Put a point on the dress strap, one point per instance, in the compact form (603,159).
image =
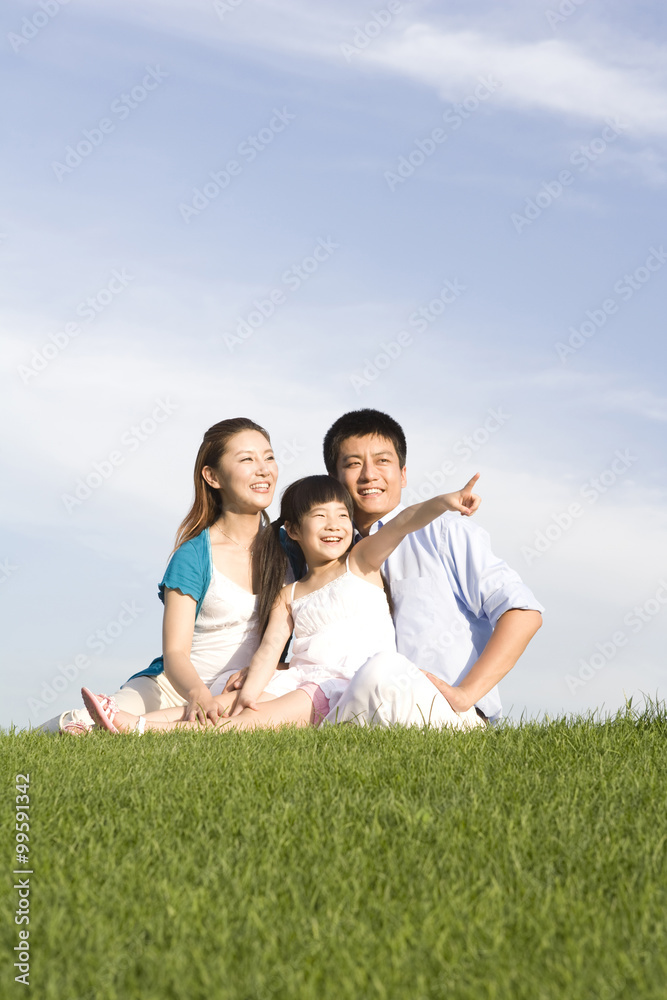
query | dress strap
(347,562)
(291,597)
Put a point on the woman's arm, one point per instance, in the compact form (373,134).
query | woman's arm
(267,657)
(369,553)
(177,630)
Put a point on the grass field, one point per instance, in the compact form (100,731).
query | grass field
(523,862)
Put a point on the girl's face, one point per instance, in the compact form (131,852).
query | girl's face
(324,534)
(246,474)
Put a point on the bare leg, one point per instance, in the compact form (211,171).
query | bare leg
(289,710)
(177,713)
(295,708)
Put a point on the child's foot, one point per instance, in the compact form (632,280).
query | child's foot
(106,714)
(75,729)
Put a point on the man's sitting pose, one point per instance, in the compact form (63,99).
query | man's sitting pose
(460,612)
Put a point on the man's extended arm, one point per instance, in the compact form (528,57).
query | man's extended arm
(514,630)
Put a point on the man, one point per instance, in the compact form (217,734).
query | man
(460,612)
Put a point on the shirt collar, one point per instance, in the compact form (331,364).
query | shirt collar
(381,521)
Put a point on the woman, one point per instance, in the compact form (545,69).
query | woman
(211,586)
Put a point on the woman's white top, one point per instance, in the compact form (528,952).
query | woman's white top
(226,634)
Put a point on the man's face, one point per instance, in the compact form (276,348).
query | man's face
(370,469)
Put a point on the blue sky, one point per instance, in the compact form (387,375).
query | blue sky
(424,200)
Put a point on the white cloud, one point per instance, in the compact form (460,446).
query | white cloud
(551,75)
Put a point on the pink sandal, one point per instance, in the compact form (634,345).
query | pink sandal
(76,729)
(102,709)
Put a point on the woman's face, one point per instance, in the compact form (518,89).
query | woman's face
(246,474)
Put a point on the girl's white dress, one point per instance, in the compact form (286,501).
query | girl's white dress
(336,630)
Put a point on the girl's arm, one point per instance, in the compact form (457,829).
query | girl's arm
(267,657)
(178,627)
(369,554)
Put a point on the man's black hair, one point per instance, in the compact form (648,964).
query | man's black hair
(362,423)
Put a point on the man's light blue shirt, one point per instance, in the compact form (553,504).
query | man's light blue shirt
(449,590)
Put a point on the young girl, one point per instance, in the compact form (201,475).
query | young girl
(338,613)
(217,585)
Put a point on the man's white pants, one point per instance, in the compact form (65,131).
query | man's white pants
(389,689)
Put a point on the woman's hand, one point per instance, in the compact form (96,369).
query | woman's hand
(464,501)
(203,707)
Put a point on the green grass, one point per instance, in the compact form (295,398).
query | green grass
(524,862)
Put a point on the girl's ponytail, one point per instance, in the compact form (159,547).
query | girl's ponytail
(269,567)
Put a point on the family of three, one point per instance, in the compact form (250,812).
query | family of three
(326,573)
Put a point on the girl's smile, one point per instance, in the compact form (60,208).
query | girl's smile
(324,532)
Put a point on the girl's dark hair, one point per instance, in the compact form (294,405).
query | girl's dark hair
(207,504)
(271,558)
(309,492)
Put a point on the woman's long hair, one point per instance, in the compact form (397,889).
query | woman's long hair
(270,556)
(269,561)
(207,505)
